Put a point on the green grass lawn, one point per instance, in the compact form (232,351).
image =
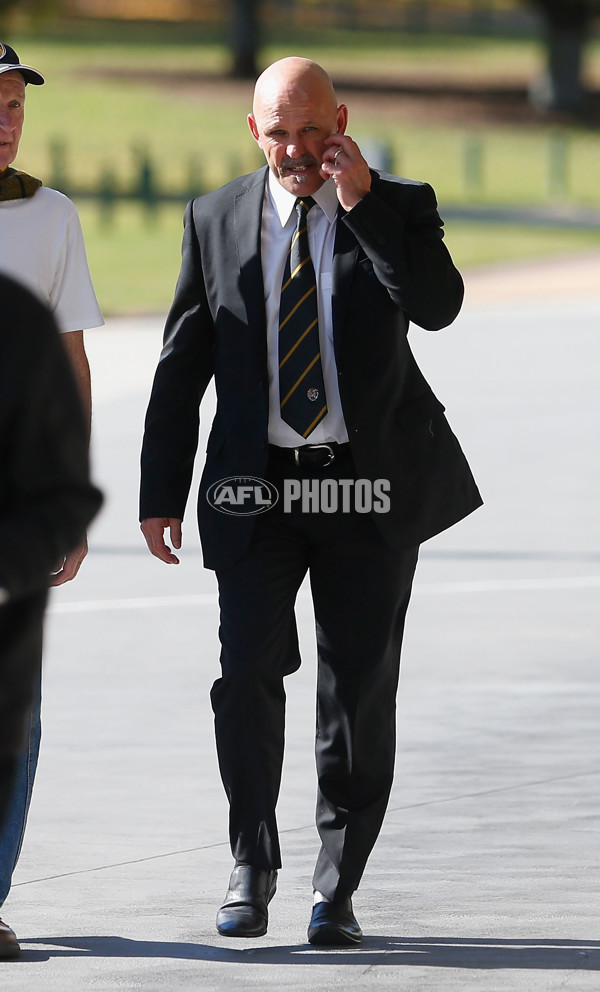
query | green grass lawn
(135,262)
(197,138)
(191,131)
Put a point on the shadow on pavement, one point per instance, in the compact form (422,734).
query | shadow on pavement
(429,952)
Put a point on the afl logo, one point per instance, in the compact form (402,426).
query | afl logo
(242,496)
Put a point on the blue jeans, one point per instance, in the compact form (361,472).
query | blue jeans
(11,837)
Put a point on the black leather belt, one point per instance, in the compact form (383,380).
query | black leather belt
(315,455)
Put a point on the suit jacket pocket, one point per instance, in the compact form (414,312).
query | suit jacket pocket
(419,412)
(216,440)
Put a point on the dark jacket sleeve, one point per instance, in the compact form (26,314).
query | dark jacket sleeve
(46,497)
(184,370)
(399,228)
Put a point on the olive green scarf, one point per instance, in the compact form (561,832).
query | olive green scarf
(15,185)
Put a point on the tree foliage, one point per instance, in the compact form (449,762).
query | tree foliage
(567,13)
(33,8)
(566,31)
(244,35)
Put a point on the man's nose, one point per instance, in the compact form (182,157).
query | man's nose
(295,147)
(6,120)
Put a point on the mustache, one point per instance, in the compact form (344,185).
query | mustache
(298,163)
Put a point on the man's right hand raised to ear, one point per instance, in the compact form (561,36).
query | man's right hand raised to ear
(153,529)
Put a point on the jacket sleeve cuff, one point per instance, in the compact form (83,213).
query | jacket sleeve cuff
(372,221)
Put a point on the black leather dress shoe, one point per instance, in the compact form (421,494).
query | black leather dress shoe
(333,924)
(9,945)
(244,912)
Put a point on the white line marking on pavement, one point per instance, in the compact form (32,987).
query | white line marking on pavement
(511,585)
(459,797)
(137,603)
(427,589)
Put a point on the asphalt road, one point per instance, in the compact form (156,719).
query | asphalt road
(485,877)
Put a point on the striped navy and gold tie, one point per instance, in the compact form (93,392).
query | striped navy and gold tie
(301,388)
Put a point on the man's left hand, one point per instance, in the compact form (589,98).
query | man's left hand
(71,565)
(346,166)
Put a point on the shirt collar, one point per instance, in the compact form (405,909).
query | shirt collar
(284,201)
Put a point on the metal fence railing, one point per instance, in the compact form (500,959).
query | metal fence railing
(472,180)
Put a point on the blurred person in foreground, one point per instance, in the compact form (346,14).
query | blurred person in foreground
(46,502)
(296,289)
(41,245)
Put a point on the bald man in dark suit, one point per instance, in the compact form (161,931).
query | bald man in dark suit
(297,286)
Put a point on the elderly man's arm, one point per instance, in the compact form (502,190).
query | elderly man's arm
(73,342)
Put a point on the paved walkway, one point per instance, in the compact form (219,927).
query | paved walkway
(575,276)
(560,215)
(485,878)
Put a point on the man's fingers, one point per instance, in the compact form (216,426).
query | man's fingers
(153,530)
(175,528)
(340,144)
(344,162)
(70,566)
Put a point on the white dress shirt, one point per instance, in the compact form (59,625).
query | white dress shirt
(278,225)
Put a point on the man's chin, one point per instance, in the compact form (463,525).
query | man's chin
(301,183)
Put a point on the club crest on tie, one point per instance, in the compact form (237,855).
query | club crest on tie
(313,394)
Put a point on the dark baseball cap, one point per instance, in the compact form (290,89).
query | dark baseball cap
(9,60)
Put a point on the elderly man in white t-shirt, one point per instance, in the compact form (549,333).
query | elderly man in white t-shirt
(41,245)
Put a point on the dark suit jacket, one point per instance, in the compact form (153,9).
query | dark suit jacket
(390,266)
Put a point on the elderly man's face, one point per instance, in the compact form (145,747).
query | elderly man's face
(290,124)
(12,110)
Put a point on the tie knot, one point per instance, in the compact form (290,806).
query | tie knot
(304,203)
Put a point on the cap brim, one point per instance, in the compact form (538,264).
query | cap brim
(30,75)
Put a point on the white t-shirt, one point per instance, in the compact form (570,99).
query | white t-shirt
(41,246)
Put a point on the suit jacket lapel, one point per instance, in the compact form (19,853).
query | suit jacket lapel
(345,253)
(247,224)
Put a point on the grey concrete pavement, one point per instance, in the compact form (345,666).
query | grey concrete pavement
(486,875)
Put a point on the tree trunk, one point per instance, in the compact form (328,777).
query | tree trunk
(560,86)
(244,38)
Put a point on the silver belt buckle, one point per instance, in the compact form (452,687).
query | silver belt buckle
(315,447)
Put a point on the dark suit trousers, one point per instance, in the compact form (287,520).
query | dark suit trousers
(360,589)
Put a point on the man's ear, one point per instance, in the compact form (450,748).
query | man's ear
(253,128)
(342,118)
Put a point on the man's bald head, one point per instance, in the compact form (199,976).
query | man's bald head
(293,78)
(294,110)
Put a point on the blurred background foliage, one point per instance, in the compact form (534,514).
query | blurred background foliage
(145,105)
